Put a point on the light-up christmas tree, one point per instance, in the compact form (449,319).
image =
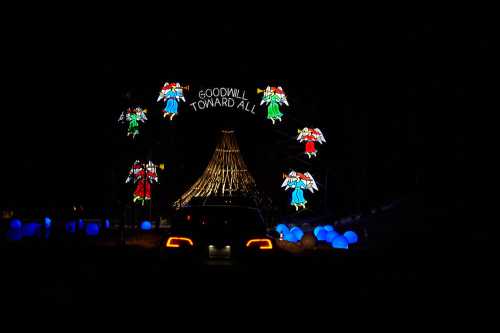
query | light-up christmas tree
(226,175)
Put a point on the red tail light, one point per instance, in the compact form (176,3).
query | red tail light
(178,241)
(261,243)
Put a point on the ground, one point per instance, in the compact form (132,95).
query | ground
(95,275)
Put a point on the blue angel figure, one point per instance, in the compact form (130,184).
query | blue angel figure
(299,182)
(171,93)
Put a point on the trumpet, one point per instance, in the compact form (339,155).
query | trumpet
(259,91)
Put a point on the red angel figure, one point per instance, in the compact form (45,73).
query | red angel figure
(311,135)
(142,174)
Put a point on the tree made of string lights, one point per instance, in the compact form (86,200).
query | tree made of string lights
(225,176)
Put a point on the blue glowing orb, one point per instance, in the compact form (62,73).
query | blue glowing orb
(290,237)
(14,234)
(297,232)
(146,225)
(92,229)
(16,224)
(351,236)
(321,236)
(107,224)
(71,227)
(81,224)
(282,229)
(328,227)
(317,229)
(331,235)
(48,222)
(340,242)
(31,229)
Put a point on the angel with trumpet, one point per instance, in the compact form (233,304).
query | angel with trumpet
(299,182)
(311,136)
(143,175)
(133,116)
(274,97)
(171,93)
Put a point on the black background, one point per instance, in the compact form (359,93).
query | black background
(395,90)
(389,91)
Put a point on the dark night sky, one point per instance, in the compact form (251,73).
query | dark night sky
(389,94)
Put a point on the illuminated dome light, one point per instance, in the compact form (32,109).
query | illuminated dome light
(92,229)
(297,232)
(16,224)
(340,242)
(351,236)
(107,224)
(146,225)
(282,229)
(317,229)
(328,228)
(14,234)
(330,235)
(48,222)
(31,229)
(322,235)
(71,227)
(290,237)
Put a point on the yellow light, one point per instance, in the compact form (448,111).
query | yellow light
(162,166)
(174,241)
(268,245)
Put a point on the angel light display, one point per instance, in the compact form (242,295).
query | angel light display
(274,97)
(310,136)
(299,182)
(133,116)
(171,93)
(143,174)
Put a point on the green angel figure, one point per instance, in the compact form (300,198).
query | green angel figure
(133,116)
(274,97)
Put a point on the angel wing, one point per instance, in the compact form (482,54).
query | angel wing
(151,172)
(180,94)
(311,183)
(162,92)
(283,97)
(130,176)
(132,172)
(321,138)
(141,115)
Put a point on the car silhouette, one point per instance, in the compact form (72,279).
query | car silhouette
(217,232)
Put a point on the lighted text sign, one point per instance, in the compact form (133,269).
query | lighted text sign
(230,98)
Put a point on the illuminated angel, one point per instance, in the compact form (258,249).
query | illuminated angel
(133,116)
(171,93)
(311,136)
(299,182)
(274,97)
(144,175)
